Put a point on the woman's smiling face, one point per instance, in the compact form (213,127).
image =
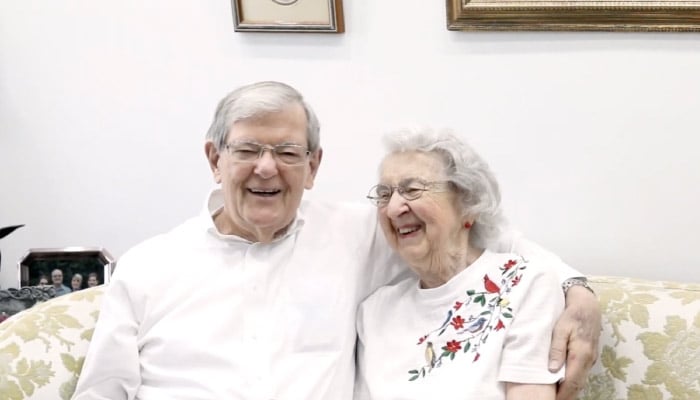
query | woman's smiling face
(419,229)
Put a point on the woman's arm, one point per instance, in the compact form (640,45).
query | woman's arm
(537,302)
(576,334)
(522,391)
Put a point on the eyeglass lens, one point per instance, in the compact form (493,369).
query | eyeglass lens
(289,154)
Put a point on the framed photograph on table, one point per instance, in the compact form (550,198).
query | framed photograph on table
(38,263)
(574,15)
(321,16)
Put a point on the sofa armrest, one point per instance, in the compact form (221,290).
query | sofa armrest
(650,343)
(42,348)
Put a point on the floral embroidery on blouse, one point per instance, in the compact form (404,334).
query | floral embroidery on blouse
(469,327)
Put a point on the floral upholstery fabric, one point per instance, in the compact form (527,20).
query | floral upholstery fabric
(650,344)
(42,348)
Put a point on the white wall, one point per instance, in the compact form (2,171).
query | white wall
(104,105)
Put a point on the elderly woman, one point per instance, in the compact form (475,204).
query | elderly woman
(471,323)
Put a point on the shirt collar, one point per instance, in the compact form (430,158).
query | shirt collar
(215,202)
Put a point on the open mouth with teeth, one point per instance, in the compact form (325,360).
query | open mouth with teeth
(407,230)
(264,192)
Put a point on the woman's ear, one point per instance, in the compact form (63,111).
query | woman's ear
(468,221)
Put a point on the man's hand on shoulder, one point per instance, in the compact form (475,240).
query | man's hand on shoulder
(575,340)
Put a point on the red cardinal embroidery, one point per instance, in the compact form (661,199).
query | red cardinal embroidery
(490,286)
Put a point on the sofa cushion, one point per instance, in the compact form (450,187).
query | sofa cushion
(42,348)
(650,344)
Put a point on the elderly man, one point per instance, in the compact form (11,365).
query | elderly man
(57,280)
(279,321)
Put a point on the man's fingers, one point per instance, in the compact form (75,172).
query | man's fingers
(586,356)
(579,336)
(569,389)
(557,352)
(578,362)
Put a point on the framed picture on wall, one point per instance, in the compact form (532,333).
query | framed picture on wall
(324,16)
(574,15)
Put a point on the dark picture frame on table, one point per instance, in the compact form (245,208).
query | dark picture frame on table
(573,15)
(320,16)
(70,260)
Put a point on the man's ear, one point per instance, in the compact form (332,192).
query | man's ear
(213,158)
(314,163)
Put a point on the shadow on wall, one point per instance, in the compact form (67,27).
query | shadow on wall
(4,232)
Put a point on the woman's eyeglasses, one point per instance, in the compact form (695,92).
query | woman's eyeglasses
(409,189)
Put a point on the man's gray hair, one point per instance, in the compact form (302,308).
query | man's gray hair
(256,100)
(476,185)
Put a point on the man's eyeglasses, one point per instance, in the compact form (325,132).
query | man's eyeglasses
(409,189)
(249,152)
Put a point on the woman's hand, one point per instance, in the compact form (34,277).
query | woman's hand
(575,340)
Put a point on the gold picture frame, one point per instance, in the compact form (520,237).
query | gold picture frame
(320,16)
(573,15)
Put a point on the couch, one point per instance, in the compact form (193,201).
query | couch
(650,343)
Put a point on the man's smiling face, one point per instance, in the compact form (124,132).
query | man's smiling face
(261,198)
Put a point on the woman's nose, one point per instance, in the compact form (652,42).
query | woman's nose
(397,205)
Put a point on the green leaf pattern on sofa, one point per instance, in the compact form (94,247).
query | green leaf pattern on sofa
(644,357)
(24,377)
(672,364)
(42,349)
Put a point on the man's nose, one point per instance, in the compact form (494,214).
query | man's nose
(266,165)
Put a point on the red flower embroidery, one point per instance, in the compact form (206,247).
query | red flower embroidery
(472,329)
(499,325)
(452,346)
(457,322)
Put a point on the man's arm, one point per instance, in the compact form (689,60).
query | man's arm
(575,340)
(111,367)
